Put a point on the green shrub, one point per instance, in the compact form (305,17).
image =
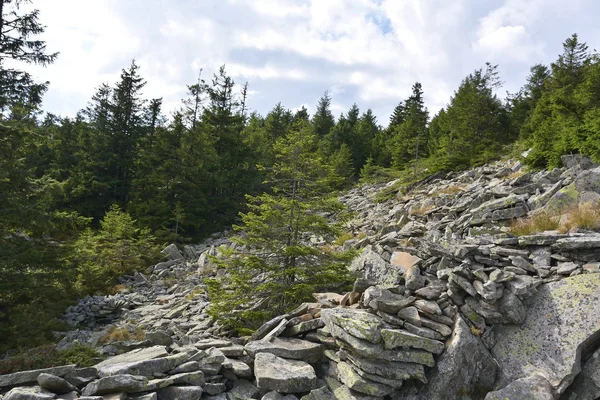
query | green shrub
(118,248)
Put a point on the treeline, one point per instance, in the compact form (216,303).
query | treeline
(85,199)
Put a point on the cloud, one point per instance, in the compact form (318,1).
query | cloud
(368,52)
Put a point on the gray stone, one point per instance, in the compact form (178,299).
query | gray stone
(244,389)
(19,378)
(414,279)
(343,392)
(116,383)
(55,384)
(577,243)
(534,387)
(285,376)
(429,307)
(511,307)
(136,355)
(522,284)
(346,374)
(303,327)
(239,368)
(319,394)
(358,323)
(295,349)
(172,252)
(586,385)
(390,370)
(394,338)
(410,314)
(29,393)
(562,318)
(566,268)
(180,393)
(465,368)
(267,327)
(392,303)
(278,396)
(145,368)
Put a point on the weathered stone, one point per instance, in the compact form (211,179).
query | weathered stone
(534,387)
(394,338)
(295,349)
(375,267)
(180,393)
(586,385)
(388,369)
(566,268)
(562,318)
(410,314)
(343,392)
(414,279)
(19,378)
(429,307)
(239,368)
(55,384)
(423,331)
(348,376)
(522,284)
(205,344)
(319,394)
(145,368)
(136,355)
(465,368)
(210,361)
(463,284)
(244,389)
(577,243)
(358,323)
(276,331)
(428,293)
(392,303)
(286,376)
(29,393)
(116,383)
(304,327)
(520,262)
(512,308)
(269,326)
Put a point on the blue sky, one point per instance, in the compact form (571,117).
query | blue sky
(368,52)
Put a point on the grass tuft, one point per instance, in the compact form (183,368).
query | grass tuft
(585,216)
(539,222)
(123,334)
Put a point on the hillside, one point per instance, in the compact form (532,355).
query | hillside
(460,295)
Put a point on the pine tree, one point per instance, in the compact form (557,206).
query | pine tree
(16,43)
(323,120)
(409,137)
(278,266)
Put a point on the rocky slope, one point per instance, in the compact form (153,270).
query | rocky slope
(449,305)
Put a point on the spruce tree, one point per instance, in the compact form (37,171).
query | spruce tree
(323,120)
(284,254)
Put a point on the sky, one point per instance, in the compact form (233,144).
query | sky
(368,52)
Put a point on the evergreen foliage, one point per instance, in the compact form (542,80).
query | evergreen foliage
(285,254)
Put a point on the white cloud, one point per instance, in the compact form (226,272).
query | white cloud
(365,51)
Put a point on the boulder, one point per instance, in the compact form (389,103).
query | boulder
(285,376)
(465,368)
(587,384)
(171,252)
(19,378)
(55,384)
(180,393)
(358,323)
(346,374)
(562,319)
(533,387)
(295,349)
(319,394)
(394,338)
(29,393)
(116,383)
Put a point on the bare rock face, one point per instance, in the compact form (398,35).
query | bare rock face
(533,387)
(465,368)
(563,318)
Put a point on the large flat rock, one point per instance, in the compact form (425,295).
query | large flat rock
(22,377)
(294,349)
(284,376)
(563,318)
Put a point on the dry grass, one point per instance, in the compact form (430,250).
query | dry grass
(452,189)
(405,243)
(515,175)
(539,222)
(585,216)
(123,334)
(421,210)
(476,331)
(115,289)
